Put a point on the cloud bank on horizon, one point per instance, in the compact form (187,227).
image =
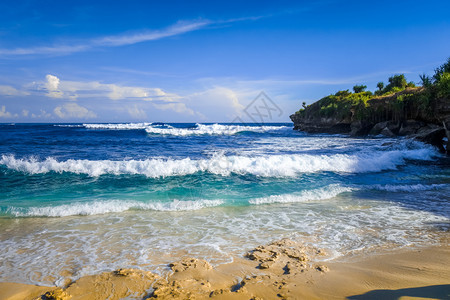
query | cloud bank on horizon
(203,62)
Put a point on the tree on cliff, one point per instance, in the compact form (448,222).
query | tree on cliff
(359,88)
(380,85)
(397,81)
(439,71)
(425,80)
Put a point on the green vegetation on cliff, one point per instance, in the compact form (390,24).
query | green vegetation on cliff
(396,101)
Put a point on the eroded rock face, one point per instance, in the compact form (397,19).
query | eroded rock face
(433,136)
(410,127)
(446,124)
(190,263)
(387,128)
(285,255)
(57,294)
(389,124)
(320,125)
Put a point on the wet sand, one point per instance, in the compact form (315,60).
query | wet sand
(282,270)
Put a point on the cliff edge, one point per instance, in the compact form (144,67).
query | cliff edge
(397,109)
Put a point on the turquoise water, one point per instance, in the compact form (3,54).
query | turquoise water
(85,198)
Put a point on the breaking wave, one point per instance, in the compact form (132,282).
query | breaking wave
(214,129)
(324,193)
(407,188)
(104,207)
(265,166)
(197,129)
(113,126)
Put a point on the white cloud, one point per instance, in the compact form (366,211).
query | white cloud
(218,103)
(25,112)
(52,82)
(180,27)
(136,112)
(177,107)
(6,114)
(111,41)
(52,86)
(57,88)
(42,115)
(73,110)
(128,39)
(124,92)
(10,91)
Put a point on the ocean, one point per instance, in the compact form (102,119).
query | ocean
(79,199)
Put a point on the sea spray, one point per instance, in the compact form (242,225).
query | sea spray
(265,166)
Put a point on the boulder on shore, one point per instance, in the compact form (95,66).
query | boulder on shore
(387,128)
(433,136)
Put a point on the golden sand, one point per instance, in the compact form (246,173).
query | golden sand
(281,270)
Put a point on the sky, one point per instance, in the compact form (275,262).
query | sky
(204,61)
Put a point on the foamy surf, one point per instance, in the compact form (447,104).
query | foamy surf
(114,126)
(339,193)
(264,166)
(408,187)
(324,193)
(214,129)
(112,206)
(197,129)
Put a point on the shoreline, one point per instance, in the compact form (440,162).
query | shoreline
(283,269)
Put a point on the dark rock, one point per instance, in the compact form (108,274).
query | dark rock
(446,124)
(393,128)
(387,144)
(432,136)
(387,132)
(341,128)
(410,127)
(376,130)
(319,125)
(359,128)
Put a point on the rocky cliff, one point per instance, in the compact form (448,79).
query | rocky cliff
(422,113)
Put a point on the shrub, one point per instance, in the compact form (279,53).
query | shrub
(397,81)
(359,88)
(343,93)
(443,85)
(425,80)
(439,71)
(393,90)
(380,85)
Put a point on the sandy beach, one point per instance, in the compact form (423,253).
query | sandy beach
(283,269)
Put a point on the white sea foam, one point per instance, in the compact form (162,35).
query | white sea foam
(265,166)
(199,129)
(67,125)
(112,206)
(324,193)
(113,126)
(214,129)
(215,235)
(408,188)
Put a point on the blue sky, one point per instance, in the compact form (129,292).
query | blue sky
(204,61)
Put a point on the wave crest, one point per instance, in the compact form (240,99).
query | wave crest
(214,129)
(265,166)
(324,193)
(197,129)
(408,188)
(114,126)
(104,207)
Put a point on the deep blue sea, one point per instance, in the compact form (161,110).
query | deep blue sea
(77,199)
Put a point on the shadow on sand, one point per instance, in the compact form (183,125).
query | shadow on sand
(432,291)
